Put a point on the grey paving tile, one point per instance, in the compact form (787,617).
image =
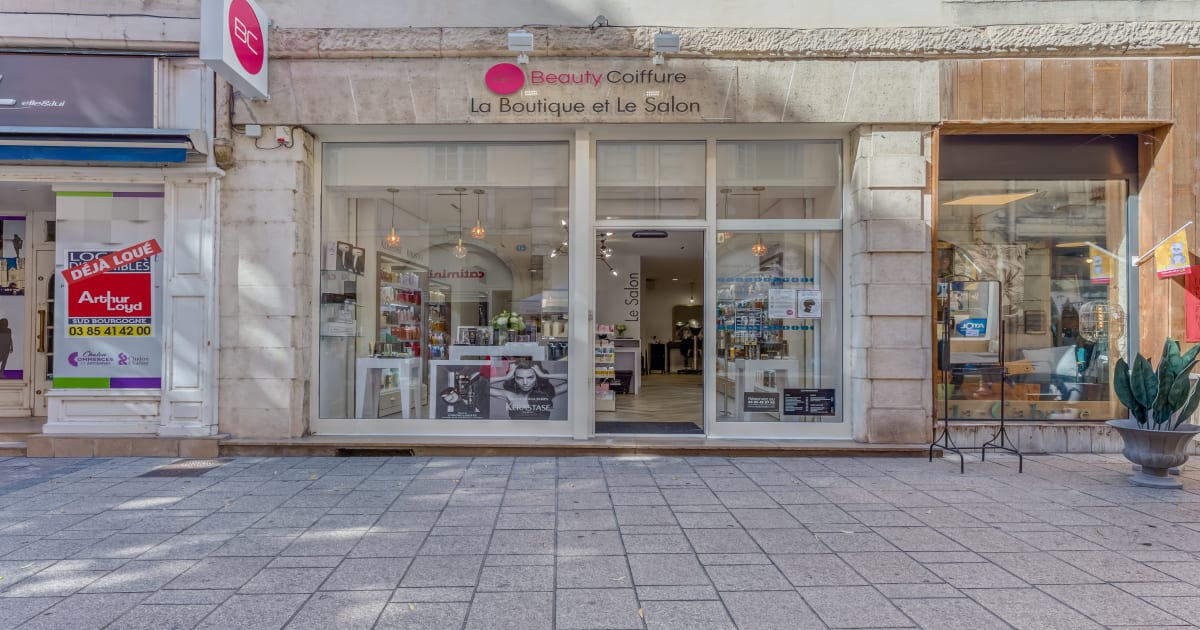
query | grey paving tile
(656,543)
(1040,568)
(366,574)
(668,615)
(787,541)
(518,541)
(340,609)
(389,545)
(986,540)
(163,617)
(917,591)
(53,583)
(516,578)
(586,519)
(747,577)
(1110,606)
(454,545)
(1030,609)
(949,614)
(853,607)
(644,515)
(443,571)
(293,580)
(405,521)
(434,594)
(186,547)
(526,520)
(423,616)
(253,546)
(676,593)
(519,560)
(584,501)
(817,570)
(851,540)
(589,543)
(84,611)
(667,570)
(140,576)
(592,572)
(688,518)
(889,567)
(15,610)
(215,573)
(975,575)
(721,541)
(588,609)
(511,611)
(1110,566)
(181,597)
(779,610)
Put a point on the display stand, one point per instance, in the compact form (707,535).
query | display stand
(982,364)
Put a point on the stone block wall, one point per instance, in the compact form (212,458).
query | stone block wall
(266,266)
(888,233)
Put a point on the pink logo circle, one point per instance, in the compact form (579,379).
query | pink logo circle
(505,78)
(246,35)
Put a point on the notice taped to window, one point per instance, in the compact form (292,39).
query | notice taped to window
(808,402)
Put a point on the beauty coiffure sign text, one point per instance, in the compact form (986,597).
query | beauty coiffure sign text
(591,91)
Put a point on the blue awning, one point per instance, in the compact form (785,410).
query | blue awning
(123,146)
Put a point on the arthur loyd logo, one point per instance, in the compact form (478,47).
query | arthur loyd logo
(504,79)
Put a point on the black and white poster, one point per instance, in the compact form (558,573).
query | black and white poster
(529,390)
(809,402)
(461,391)
(760,402)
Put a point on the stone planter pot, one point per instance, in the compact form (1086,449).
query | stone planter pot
(1154,451)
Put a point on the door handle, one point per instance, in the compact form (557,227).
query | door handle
(41,336)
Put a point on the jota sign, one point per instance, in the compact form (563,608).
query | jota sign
(233,42)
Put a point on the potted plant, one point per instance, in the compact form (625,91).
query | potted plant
(1160,403)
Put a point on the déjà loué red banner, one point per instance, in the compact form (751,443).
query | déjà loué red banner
(111,261)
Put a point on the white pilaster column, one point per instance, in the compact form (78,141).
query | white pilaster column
(889,239)
(191,233)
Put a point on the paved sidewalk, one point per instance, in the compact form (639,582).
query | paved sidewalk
(623,542)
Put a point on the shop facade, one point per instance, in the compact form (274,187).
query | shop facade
(417,236)
(107,154)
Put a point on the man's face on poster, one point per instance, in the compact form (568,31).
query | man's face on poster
(525,379)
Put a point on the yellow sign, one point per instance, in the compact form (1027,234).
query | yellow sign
(1101,265)
(1171,257)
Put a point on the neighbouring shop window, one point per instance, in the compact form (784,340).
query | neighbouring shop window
(107,322)
(1032,276)
(443,281)
(649,180)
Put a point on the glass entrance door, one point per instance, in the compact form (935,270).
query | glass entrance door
(649,345)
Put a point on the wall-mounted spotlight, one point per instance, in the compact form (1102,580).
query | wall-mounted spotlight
(664,42)
(521,42)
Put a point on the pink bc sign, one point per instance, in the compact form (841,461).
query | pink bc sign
(505,78)
(246,34)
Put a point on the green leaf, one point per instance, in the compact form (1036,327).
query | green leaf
(1189,408)
(1121,385)
(1178,394)
(1190,355)
(1143,382)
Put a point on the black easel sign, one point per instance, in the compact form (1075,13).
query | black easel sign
(808,402)
(760,402)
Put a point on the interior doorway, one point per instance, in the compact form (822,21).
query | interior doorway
(649,347)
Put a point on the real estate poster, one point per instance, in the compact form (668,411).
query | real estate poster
(109,323)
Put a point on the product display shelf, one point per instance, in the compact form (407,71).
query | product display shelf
(401,331)
(605,370)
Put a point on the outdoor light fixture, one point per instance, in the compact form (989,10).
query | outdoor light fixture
(478,232)
(521,42)
(393,239)
(664,42)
